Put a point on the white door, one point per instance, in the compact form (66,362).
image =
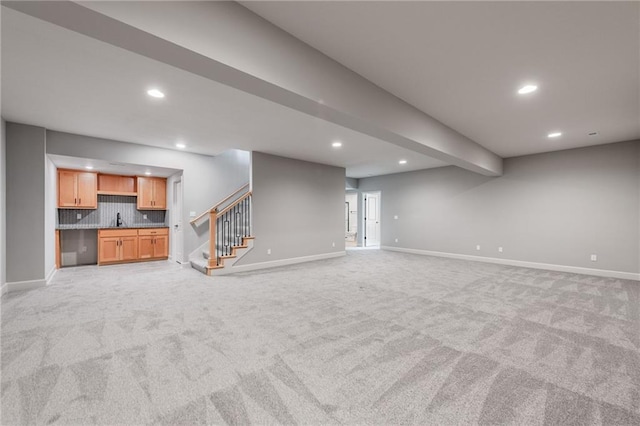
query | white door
(177,222)
(372,219)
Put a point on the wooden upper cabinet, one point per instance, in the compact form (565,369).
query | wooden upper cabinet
(145,193)
(77,190)
(116,185)
(160,194)
(67,189)
(152,193)
(87,190)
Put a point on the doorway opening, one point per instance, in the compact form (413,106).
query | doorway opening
(351,219)
(371,219)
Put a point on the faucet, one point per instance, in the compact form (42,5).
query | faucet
(118,220)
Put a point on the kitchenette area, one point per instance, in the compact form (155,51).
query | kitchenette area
(105,218)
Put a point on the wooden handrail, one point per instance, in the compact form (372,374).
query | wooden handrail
(235,203)
(215,206)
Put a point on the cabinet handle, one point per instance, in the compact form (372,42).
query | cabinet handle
(79,201)
(75,201)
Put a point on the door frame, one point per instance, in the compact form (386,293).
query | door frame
(364,217)
(177,200)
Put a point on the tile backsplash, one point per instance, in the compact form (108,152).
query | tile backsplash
(105,215)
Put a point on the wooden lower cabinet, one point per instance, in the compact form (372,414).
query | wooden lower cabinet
(153,243)
(108,249)
(129,248)
(130,245)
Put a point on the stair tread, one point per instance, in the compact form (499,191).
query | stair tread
(202,263)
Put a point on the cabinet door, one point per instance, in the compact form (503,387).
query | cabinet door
(87,190)
(145,193)
(161,246)
(145,246)
(128,248)
(108,249)
(160,194)
(67,188)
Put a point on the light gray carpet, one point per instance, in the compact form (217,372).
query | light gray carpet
(371,338)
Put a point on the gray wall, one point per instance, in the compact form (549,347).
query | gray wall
(297,210)
(3,206)
(25,202)
(205,179)
(51,204)
(556,208)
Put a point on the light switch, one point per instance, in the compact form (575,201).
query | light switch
(192,214)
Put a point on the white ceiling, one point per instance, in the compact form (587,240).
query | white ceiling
(61,80)
(462,62)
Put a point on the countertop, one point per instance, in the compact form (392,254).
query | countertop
(133,226)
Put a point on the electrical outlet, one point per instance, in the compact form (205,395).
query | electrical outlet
(268,251)
(84,249)
(500,249)
(478,247)
(594,257)
(144,216)
(333,244)
(79,216)
(396,240)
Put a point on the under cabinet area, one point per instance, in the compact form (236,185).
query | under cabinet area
(131,245)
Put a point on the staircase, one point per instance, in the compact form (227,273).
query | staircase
(230,235)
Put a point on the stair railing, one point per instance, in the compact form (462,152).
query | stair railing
(228,227)
(218,204)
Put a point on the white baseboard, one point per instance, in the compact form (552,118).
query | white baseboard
(25,285)
(50,275)
(5,288)
(276,263)
(534,265)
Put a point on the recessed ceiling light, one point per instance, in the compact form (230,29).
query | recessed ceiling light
(180,145)
(147,173)
(88,167)
(527,89)
(554,135)
(155,93)
(336,144)
(402,162)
